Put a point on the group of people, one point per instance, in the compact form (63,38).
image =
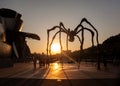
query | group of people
(41,59)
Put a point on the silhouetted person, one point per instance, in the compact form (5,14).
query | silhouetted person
(34,60)
(104,59)
(40,61)
(99,55)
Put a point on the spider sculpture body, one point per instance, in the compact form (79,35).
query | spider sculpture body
(72,33)
(71,36)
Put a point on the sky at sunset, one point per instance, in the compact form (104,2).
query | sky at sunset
(40,15)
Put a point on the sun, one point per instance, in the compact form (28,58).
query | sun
(55,48)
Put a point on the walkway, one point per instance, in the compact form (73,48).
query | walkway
(23,74)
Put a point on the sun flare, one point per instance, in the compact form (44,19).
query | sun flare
(55,48)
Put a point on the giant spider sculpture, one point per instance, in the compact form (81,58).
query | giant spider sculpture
(71,34)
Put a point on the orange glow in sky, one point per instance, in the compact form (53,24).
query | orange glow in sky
(40,15)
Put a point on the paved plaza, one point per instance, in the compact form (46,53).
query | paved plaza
(24,74)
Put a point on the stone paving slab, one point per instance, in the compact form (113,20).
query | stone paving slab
(23,70)
(24,74)
(86,71)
